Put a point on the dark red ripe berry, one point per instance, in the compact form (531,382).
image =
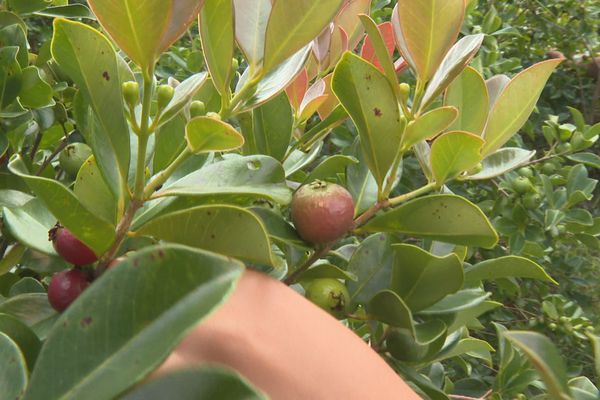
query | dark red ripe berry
(65,287)
(70,248)
(322,212)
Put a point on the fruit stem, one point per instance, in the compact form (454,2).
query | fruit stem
(291,279)
(243,94)
(165,174)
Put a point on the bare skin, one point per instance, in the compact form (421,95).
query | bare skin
(288,348)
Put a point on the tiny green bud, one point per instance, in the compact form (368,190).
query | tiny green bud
(164,94)
(197,109)
(235,64)
(131,93)
(404,92)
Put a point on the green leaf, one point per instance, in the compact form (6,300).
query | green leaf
(28,6)
(33,309)
(387,307)
(93,193)
(35,92)
(89,59)
(24,337)
(379,46)
(468,93)
(218,42)
(589,159)
(326,270)
(466,346)
(272,126)
(447,218)
(206,134)
(422,279)
(157,296)
(223,229)
(169,142)
(501,162)
(11,258)
(420,345)
(294,24)
(67,11)
(459,56)
(331,167)
(145,30)
(425,30)
(369,99)
(88,227)
(515,104)
(247,177)
(29,224)
(214,383)
(360,182)
(428,126)
(274,82)
(545,358)
(371,262)
(251,19)
(184,93)
(10,75)
(495,85)
(297,159)
(456,302)
(13,374)
(278,228)
(454,152)
(506,267)
(583,389)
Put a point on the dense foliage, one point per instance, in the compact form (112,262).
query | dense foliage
(163,169)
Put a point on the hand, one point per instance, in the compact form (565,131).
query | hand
(287,347)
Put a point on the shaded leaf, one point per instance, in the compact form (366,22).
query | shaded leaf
(454,152)
(506,267)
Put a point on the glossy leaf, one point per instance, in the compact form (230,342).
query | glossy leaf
(348,20)
(422,279)
(294,24)
(428,126)
(215,383)
(272,127)
(144,30)
(167,289)
(169,142)
(184,94)
(33,309)
(360,182)
(35,92)
(545,358)
(251,19)
(274,82)
(297,89)
(10,75)
(425,31)
(384,50)
(249,177)
(93,193)
(29,224)
(326,270)
(468,93)
(465,346)
(590,159)
(67,11)
(223,229)
(13,374)
(28,342)
(515,104)
(371,262)
(89,59)
(456,302)
(387,307)
(94,231)
(454,152)
(331,167)
(218,41)
(278,228)
(501,162)
(206,134)
(495,85)
(459,56)
(367,51)
(297,159)
(370,101)
(506,267)
(447,218)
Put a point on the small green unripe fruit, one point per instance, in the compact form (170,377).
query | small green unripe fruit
(552,326)
(197,109)
(532,201)
(564,134)
(131,93)
(235,64)
(522,185)
(322,212)
(331,295)
(164,95)
(548,168)
(404,92)
(73,156)
(527,172)
(563,148)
